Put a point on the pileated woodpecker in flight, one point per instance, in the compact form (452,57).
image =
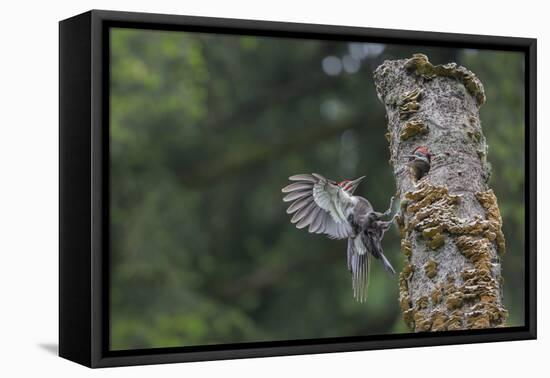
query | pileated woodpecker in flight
(330,208)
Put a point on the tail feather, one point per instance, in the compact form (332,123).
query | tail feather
(374,242)
(387,264)
(359,266)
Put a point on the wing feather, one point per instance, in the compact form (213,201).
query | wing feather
(297,186)
(318,224)
(306,221)
(316,220)
(331,198)
(303,177)
(318,203)
(319,177)
(302,213)
(336,230)
(299,204)
(296,195)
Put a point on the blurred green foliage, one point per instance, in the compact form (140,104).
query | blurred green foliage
(205,130)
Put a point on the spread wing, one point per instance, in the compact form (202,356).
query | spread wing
(318,203)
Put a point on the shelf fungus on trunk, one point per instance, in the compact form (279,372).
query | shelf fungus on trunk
(450,224)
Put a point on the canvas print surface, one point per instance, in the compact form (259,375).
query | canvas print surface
(270,189)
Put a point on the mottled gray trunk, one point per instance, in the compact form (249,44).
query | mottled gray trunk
(449,221)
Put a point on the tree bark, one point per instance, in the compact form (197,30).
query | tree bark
(449,220)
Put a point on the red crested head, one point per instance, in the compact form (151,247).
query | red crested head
(346,184)
(350,185)
(423,150)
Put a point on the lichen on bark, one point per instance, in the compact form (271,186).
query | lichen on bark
(450,223)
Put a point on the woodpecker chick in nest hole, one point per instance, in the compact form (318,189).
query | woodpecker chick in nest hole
(419,162)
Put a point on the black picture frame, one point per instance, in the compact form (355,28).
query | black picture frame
(84,188)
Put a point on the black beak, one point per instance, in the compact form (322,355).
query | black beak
(355,183)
